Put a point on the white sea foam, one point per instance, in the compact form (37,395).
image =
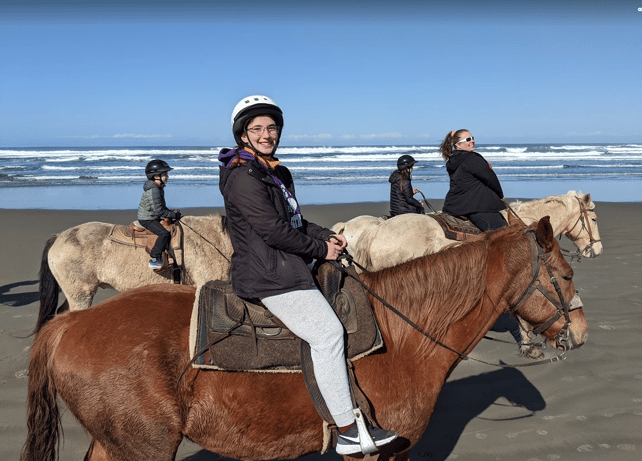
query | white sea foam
(348,165)
(90,168)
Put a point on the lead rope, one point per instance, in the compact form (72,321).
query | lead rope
(350,260)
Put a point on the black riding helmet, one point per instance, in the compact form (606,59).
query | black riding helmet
(251,107)
(405,161)
(156,167)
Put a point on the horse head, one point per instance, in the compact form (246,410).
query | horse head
(556,310)
(582,228)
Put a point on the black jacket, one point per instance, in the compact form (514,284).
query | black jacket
(474,187)
(270,256)
(401,199)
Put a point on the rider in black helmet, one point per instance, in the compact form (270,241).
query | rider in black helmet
(401,191)
(152,209)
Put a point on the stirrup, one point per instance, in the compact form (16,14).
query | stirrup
(365,439)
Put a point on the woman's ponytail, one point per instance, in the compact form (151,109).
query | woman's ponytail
(447,146)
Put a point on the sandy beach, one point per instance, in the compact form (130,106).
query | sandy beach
(585,408)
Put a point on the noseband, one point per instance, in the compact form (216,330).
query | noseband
(586,225)
(563,308)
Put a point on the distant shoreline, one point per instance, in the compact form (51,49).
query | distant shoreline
(181,196)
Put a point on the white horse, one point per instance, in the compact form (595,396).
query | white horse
(376,242)
(83,258)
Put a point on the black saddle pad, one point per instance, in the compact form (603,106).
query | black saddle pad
(234,334)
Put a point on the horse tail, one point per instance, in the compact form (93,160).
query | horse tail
(48,287)
(43,417)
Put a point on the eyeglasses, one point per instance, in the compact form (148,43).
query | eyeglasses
(258,130)
(472,138)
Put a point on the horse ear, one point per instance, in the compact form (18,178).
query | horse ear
(587,199)
(544,233)
(338,228)
(512,219)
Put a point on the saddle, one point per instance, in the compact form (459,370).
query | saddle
(234,334)
(137,236)
(456,227)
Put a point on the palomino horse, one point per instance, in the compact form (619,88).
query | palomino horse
(409,236)
(83,258)
(377,243)
(121,380)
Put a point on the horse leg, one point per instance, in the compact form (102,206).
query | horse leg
(80,300)
(97,452)
(64,307)
(121,436)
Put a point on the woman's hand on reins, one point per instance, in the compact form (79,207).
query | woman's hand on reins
(336,244)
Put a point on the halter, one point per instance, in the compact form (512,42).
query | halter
(586,225)
(563,308)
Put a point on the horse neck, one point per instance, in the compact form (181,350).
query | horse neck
(459,308)
(207,247)
(198,228)
(560,208)
(435,292)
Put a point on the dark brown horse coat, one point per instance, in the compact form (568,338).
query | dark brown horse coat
(116,365)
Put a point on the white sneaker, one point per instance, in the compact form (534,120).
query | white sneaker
(348,442)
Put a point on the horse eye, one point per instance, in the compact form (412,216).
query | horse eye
(568,278)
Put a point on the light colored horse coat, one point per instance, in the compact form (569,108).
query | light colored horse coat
(376,243)
(83,258)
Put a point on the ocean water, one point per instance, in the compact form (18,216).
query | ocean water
(112,177)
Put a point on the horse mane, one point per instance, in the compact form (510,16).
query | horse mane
(208,226)
(434,290)
(563,199)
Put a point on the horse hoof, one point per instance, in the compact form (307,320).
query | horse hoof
(532,352)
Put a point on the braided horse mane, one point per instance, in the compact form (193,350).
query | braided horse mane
(440,288)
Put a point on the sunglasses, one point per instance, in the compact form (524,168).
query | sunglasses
(472,138)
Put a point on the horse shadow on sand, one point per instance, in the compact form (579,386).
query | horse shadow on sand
(459,402)
(18,299)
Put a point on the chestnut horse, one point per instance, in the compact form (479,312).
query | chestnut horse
(121,380)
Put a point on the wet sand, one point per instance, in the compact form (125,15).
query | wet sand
(587,407)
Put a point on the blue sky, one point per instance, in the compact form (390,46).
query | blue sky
(145,73)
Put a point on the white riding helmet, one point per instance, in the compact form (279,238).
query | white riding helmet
(251,107)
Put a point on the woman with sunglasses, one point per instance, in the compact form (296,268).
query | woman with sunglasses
(475,192)
(273,251)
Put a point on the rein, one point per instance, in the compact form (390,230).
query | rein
(427,202)
(201,236)
(563,308)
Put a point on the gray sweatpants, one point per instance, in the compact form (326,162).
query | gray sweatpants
(309,316)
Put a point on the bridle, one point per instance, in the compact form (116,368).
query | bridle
(537,256)
(563,308)
(586,225)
